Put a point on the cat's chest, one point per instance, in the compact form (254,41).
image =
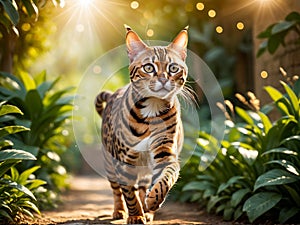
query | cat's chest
(153,107)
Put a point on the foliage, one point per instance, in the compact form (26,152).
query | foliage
(16,189)
(276,33)
(23,30)
(46,111)
(256,172)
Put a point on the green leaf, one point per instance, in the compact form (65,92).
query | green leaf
(244,115)
(274,42)
(28,81)
(238,196)
(214,200)
(33,100)
(6,215)
(266,121)
(282,26)
(266,33)
(274,177)
(258,204)
(230,182)
(289,166)
(294,99)
(287,213)
(281,151)
(15,155)
(19,187)
(32,184)
(262,48)
(31,8)
(24,175)
(4,131)
(7,109)
(197,186)
(11,11)
(32,206)
(293,16)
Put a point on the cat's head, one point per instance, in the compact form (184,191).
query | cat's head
(157,71)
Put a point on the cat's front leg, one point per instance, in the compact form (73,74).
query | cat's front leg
(135,210)
(165,177)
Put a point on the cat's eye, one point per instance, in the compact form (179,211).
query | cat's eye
(149,68)
(173,68)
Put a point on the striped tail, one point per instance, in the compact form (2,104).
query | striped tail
(100,101)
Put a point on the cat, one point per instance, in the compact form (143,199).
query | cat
(142,132)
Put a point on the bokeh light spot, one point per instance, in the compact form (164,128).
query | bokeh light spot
(212,13)
(26,26)
(240,26)
(219,29)
(134,4)
(150,32)
(200,6)
(264,74)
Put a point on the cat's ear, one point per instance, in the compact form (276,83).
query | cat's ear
(134,43)
(179,43)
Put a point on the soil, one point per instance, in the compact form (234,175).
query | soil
(90,202)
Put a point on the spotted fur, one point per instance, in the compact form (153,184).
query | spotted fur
(141,128)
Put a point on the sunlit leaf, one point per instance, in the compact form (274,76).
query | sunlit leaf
(19,187)
(6,109)
(289,166)
(15,154)
(258,204)
(274,177)
(4,131)
(274,93)
(244,115)
(280,150)
(292,96)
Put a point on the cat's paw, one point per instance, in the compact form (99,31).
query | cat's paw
(154,198)
(149,216)
(119,214)
(136,220)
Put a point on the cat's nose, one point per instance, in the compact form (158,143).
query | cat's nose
(163,80)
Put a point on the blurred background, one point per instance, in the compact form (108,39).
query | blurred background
(247,44)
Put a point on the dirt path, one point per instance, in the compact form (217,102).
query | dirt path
(90,202)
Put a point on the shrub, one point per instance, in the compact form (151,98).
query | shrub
(45,113)
(16,190)
(256,172)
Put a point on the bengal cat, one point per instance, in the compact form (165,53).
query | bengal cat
(141,128)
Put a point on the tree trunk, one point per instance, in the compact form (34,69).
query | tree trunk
(7,52)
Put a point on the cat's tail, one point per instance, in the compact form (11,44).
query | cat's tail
(100,101)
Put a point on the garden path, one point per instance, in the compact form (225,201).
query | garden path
(90,202)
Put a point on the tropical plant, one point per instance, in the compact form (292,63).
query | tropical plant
(257,170)
(17,189)
(46,111)
(276,33)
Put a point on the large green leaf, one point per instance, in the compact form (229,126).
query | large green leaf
(11,11)
(15,155)
(215,200)
(7,109)
(238,196)
(4,131)
(197,186)
(258,204)
(274,177)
